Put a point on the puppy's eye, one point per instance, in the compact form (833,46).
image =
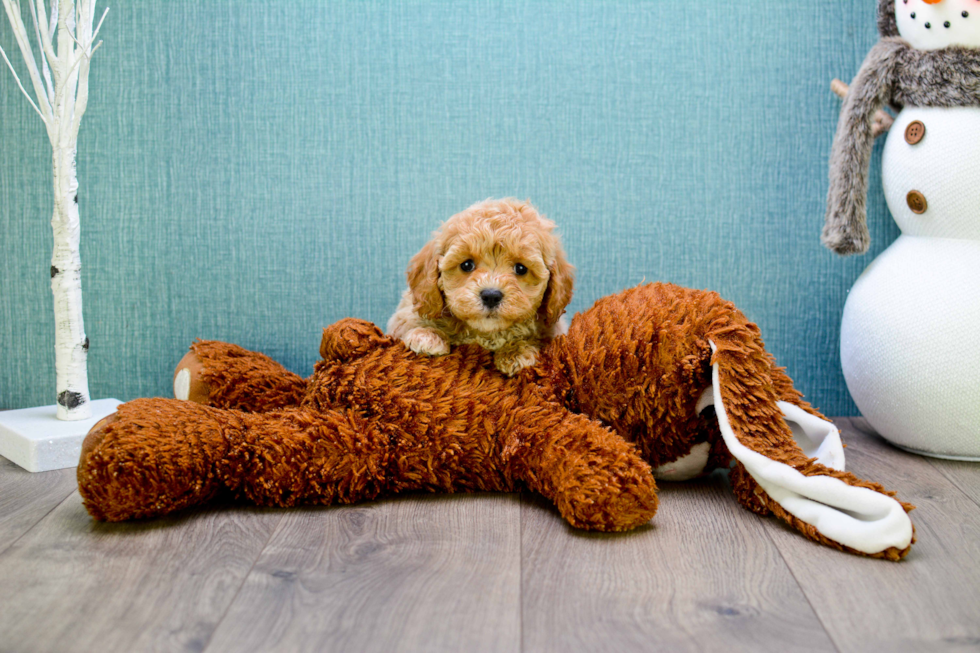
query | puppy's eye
(468,265)
(520,269)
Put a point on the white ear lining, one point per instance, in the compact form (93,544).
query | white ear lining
(856,517)
(817,438)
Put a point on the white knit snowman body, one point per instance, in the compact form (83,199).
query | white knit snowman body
(908,337)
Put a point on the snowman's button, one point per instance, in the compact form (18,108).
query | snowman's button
(915,132)
(917,202)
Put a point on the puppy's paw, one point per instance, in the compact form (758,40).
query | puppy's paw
(514,357)
(426,341)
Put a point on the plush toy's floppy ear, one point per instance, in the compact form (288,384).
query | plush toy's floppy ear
(423,280)
(803,478)
(559,291)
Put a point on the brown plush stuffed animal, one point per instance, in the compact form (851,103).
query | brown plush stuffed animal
(376,419)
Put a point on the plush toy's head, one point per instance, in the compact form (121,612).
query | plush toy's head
(496,264)
(931,24)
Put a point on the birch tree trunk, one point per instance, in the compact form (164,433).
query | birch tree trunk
(61,102)
(70,342)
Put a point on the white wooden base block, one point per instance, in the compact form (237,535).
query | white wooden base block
(38,441)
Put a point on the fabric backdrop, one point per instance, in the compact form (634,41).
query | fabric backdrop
(253,171)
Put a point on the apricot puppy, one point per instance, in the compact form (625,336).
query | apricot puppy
(494,275)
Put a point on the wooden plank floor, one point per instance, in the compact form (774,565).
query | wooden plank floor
(487,573)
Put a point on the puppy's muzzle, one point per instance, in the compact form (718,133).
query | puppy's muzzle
(491,297)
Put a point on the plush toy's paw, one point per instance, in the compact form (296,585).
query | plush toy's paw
(596,479)
(189,383)
(621,506)
(153,456)
(223,375)
(351,338)
(95,435)
(426,341)
(514,357)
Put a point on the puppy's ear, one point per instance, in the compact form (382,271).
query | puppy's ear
(559,290)
(423,280)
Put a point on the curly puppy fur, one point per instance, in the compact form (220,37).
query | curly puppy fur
(494,275)
(895,74)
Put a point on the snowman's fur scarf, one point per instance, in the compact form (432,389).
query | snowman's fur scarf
(896,74)
(887,25)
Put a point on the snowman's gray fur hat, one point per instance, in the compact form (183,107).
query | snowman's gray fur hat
(887,24)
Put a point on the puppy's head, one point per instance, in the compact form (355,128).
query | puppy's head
(495,264)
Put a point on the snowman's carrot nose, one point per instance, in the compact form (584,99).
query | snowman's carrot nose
(932,2)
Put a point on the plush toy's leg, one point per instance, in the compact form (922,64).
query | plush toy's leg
(227,376)
(299,456)
(597,480)
(155,456)
(803,485)
(152,457)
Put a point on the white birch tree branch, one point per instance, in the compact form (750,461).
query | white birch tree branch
(45,69)
(95,34)
(22,89)
(47,27)
(24,43)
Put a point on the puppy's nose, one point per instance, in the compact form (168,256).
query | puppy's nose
(491,297)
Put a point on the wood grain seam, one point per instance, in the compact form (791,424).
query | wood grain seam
(41,519)
(861,425)
(939,467)
(765,525)
(806,597)
(238,590)
(520,569)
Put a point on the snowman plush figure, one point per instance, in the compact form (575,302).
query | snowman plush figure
(909,336)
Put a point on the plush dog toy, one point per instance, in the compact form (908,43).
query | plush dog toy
(654,377)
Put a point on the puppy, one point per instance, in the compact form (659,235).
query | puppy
(494,275)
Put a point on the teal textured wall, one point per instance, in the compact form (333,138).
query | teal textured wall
(253,171)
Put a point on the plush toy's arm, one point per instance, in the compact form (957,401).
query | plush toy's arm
(845,230)
(223,375)
(597,480)
(351,338)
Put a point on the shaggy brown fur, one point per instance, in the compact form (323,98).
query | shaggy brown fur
(376,419)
